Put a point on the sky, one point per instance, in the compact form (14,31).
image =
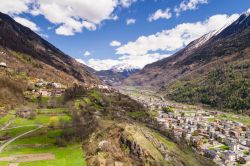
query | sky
(107,33)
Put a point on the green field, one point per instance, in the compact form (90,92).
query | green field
(5,119)
(40,119)
(233,117)
(41,141)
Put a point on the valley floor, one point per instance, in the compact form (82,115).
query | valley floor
(221,136)
(115,140)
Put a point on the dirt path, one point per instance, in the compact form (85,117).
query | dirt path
(15,138)
(7,124)
(17,127)
(28,157)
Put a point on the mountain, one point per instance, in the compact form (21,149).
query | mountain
(25,51)
(117,74)
(213,69)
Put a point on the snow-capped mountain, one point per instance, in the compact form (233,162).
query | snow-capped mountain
(117,73)
(125,69)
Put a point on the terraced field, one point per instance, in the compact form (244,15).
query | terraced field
(37,148)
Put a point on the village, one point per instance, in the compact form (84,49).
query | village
(41,87)
(224,141)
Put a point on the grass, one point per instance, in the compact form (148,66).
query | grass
(69,156)
(5,119)
(233,117)
(211,119)
(95,94)
(40,119)
(144,143)
(52,111)
(16,131)
(43,141)
(185,154)
(137,114)
(4,163)
(224,147)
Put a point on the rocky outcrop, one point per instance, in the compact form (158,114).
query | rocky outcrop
(136,152)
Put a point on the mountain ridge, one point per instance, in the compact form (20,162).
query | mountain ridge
(189,58)
(20,39)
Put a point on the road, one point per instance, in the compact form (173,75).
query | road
(19,136)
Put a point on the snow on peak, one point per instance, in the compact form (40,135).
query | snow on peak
(247,13)
(122,67)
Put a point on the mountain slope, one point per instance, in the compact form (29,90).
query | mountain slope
(22,48)
(195,56)
(191,75)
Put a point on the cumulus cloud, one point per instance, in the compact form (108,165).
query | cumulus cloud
(87,53)
(115,43)
(189,5)
(146,49)
(14,6)
(135,61)
(175,38)
(130,21)
(27,23)
(127,3)
(105,64)
(70,16)
(160,14)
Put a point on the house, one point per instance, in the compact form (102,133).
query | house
(229,156)
(25,113)
(45,92)
(234,146)
(3,65)
(103,87)
(228,141)
(247,135)
(57,92)
(248,143)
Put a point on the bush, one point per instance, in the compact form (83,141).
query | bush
(53,122)
(168,109)
(60,142)
(74,92)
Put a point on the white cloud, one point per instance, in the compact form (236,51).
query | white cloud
(146,49)
(127,3)
(71,16)
(105,64)
(14,6)
(87,53)
(176,38)
(134,61)
(80,61)
(160,14)
(27,23)
(130,21)
(115,43)
(189,5)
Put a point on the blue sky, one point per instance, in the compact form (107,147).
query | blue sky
(84,29)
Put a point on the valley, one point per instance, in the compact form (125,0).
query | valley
(179,97)
(209,132)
